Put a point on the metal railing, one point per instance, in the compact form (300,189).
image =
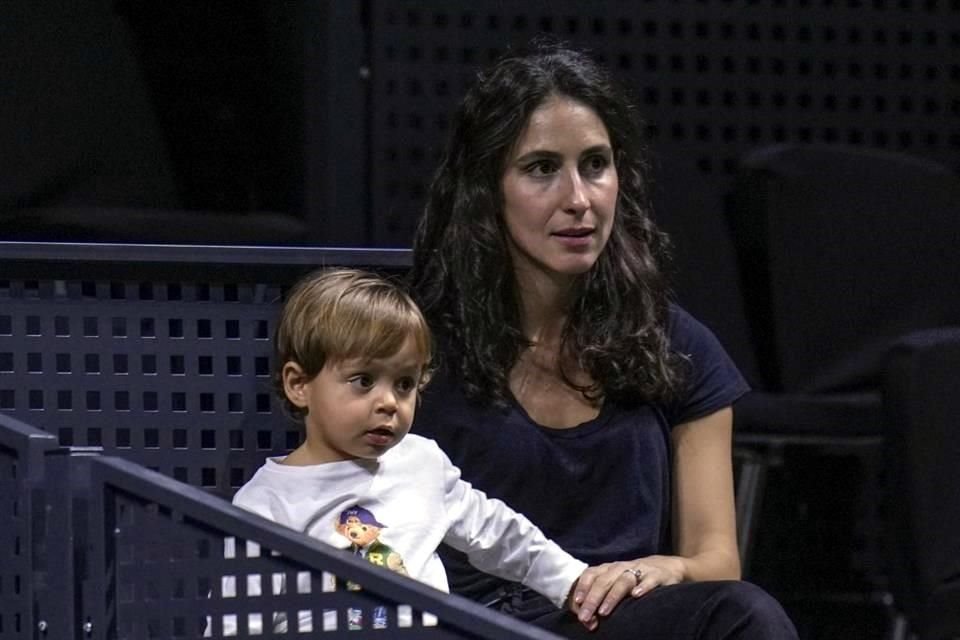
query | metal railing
(103,548)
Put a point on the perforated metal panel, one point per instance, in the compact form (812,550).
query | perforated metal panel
(167,365)
(169,561)
(177,577)
(15,598)
(21,469)
(145,369)
(713,78)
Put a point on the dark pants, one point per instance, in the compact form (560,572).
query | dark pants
(721,610)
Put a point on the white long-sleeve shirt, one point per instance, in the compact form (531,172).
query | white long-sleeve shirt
(417,494)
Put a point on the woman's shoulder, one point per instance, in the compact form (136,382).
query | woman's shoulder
(689,336)
(681,324)
(712,379)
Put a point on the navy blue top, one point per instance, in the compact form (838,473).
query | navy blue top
(600,489)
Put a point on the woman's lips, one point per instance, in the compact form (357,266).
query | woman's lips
(579,237)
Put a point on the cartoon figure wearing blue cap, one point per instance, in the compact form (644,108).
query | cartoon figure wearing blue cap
(361,528)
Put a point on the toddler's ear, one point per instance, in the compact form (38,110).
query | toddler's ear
(294,384)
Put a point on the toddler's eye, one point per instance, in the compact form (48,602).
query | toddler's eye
(361,381)
(406,385)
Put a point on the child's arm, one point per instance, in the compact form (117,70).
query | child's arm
(504,543)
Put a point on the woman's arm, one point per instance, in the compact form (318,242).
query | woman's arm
(704,522)
(704,515)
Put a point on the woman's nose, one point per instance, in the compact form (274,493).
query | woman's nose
(576,200)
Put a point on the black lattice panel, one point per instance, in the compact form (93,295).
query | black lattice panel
(176,578)
(713,78)
(172,375)
(168,561)
(21,470)
(16,574)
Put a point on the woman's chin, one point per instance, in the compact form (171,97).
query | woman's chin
(577,265)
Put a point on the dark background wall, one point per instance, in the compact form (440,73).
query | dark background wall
(334,112)
(713,79)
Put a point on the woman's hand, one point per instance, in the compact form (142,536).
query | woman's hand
(590,622)
(602,587)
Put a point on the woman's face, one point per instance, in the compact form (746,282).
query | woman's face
(560,191)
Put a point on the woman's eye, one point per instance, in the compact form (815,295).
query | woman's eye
(596,164)
(541,168)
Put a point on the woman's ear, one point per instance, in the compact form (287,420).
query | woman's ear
(294,384)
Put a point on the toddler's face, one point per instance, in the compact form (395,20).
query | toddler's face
(358,408)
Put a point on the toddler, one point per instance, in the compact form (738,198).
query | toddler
(352,352)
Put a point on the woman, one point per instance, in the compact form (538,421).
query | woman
(569,386)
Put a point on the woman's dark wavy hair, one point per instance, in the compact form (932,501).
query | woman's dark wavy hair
(462,273)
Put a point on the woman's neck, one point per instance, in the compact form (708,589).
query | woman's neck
(544,304)
(547,381)
(545,378)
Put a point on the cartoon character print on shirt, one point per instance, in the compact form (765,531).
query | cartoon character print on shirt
(361,528)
